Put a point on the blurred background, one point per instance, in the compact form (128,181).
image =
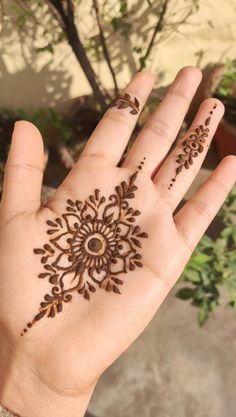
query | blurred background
(61,63)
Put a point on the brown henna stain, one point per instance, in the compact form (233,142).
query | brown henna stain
(98,239)
(122,101)
(192,147)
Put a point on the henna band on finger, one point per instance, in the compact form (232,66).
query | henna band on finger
(123,101)
(192,147)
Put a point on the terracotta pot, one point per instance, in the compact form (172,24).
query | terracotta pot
(225,136)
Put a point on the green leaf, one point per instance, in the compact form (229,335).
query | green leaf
(142,62)
(201,258)
(203,316)
(193,276)
(185,293)
(224,92)
(226,232)
(200,293)
(198,260)
(123,7)
(206,242)
(47,48)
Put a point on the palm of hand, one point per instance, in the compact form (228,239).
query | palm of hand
(78,343)
(105,326)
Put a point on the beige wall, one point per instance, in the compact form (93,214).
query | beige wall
(40,80)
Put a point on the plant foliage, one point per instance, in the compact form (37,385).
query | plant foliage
(119,33)
(212,267)
(226,86)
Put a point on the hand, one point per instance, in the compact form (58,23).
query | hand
(114,250)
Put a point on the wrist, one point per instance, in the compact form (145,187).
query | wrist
(24,394)
(29,403)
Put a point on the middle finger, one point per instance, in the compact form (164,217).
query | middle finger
(160,131)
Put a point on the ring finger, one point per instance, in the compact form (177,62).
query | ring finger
(182,165)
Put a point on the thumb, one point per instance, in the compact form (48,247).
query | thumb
(24,170)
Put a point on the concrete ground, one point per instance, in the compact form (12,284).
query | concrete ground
(174,369)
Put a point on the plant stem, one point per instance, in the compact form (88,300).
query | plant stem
(104,45)
(157,29)
(2,15)
(71,32)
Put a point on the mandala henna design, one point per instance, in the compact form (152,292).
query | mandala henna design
(89,246)
(122,101)
(192,146)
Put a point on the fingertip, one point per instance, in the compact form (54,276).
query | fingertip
(186,82)
(25,125)
(220,106)
(27,137)
(191,71)
(24,169)
(147,75)
(229,162)
(148,72)
(217,105)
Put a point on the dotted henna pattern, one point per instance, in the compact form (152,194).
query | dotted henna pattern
(192,146)
(89,246)
(122,101)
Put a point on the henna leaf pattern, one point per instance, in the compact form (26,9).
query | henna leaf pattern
(122,101)
(192,147)
(89,247)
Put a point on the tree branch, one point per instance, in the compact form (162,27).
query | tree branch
(55,14)
(157,29)
(2,16)
(71,32)
(104,45)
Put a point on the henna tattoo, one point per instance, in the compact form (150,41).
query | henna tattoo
(90,246)
(122,101)
(192,146)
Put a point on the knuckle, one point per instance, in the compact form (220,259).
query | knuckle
(159,127)
(189,244)
(27,167)
(118,117)
(94,157)
(203,208)
(165,196)
(180,95)
(220,185)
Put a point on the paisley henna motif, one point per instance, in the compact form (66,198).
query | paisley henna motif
(122,101)
(192,147)
(89,247)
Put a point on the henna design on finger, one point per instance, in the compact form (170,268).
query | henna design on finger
(90,246)
(122,101)
(192,147)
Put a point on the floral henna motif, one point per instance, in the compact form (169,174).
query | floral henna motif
(192,146)
(89,247)
(122,101)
